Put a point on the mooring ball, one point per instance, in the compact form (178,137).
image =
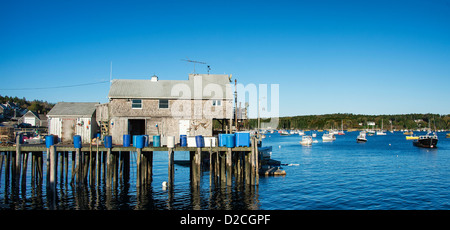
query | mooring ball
(164,185)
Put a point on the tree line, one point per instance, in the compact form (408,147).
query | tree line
(42,107)
(359,121)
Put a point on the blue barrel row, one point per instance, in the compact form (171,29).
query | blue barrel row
(239,139)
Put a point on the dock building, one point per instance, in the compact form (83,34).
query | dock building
(166,107)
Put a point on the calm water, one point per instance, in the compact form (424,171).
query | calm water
(387,172)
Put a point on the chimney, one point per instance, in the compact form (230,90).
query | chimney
(154,78)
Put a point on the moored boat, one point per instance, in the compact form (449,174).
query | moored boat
(284,133)
(412,137)
(427,141)
(328,137)
(306,140)
(361,137)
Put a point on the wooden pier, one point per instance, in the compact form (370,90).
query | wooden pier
(94,164)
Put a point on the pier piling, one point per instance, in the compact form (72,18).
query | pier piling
(82,166)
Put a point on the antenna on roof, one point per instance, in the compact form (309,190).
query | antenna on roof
(198,62)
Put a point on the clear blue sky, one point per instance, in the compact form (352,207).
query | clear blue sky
(364,57)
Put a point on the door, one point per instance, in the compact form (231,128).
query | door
(136,127)
(68,129)
(30,120)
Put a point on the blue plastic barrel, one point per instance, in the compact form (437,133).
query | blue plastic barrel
(49,141)
(108,141)
(126,140)
(199,141)
(222,139)
(242,139)
(77,141)
(156,141)
(230,140)
(140,141)
(183,140)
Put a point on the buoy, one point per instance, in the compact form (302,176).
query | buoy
(164,185)
(279,146)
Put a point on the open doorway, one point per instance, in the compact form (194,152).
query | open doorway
(136,127)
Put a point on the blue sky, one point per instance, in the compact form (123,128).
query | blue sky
(363,57)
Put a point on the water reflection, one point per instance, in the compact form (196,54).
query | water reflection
(111,181)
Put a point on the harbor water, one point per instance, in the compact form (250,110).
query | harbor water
(385,173)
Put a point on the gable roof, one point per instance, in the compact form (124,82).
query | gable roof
(219,84)
(83,109)
(29,112)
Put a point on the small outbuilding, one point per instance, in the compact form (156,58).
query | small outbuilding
(31,118)
(67,119)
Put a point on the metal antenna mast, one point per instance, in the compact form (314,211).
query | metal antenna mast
(198,62)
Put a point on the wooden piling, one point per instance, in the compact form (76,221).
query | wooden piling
(1,165)
(229,166)
(18,162)
(138,168)
(171,168)
(53,167)
(24,169)
(108,168)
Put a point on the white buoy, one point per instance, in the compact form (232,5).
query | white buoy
(164,185)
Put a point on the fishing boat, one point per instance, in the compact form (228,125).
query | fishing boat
(361,137)
(306,140)
(427,141)
(328,137)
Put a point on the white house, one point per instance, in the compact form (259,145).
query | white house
(67,119)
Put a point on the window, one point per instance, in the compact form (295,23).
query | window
(217,102)
(163,104)
(136,104)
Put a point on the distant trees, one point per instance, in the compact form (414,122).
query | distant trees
(359,121)
(42,107)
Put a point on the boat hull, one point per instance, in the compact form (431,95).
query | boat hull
(426,143)
(361,140)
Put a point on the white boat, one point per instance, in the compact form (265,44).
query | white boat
(306,140)
(381,132)
(328,137)
(341,132)
(284,133)
(361,137)
(301,133)
(370,132)
(333,131)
